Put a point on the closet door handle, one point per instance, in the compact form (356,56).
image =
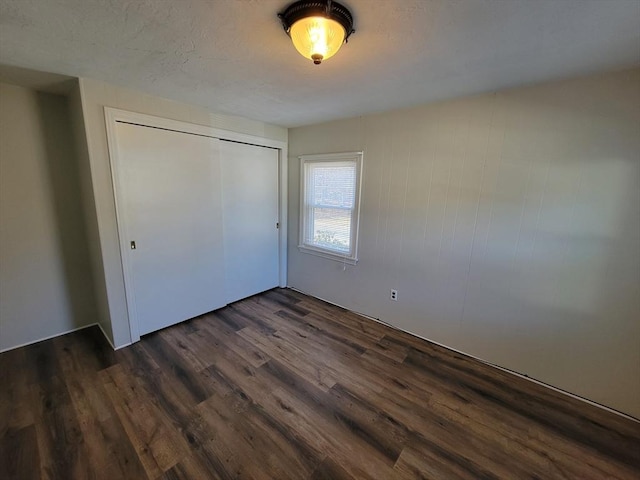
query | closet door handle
(133,244)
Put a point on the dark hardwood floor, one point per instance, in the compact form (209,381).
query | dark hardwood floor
(283,386)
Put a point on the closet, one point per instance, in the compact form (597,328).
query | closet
(198,222)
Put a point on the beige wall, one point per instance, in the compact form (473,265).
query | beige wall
(45,282)
(95,95)
(509,223)
(89,209)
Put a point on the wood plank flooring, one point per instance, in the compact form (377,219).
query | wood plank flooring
(284,386)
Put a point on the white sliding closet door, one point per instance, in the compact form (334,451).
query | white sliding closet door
(170,205)
(250,206)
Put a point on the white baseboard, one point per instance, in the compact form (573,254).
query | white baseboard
(48,338)
(109,339)
(512,372)
(64,333)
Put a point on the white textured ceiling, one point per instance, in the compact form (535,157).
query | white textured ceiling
(232,56)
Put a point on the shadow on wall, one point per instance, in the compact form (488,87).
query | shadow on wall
(62,169)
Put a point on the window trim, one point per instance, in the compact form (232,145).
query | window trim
(352,258)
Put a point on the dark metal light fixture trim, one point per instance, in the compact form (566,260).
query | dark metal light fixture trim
(317,8)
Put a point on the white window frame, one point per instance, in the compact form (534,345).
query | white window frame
(351,257)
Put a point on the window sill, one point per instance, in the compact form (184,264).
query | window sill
(328,255)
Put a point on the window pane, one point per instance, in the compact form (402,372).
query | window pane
(332,229)
(333,186)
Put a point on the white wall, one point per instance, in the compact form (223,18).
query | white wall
(509,223)
(95,95)
(45,280)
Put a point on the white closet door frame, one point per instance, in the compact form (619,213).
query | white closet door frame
(114,115)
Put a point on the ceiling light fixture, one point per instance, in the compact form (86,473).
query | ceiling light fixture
(317,28)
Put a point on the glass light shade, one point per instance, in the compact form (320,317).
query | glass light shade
(317,38)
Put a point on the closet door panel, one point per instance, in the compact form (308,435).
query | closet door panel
(250,206)
(170,195)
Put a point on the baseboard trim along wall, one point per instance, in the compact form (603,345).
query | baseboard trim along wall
(48,337)
(512,372)
(109,340)
(26,344)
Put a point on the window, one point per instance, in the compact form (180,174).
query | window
(330,204)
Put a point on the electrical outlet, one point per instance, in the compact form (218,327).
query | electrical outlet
(394,295)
